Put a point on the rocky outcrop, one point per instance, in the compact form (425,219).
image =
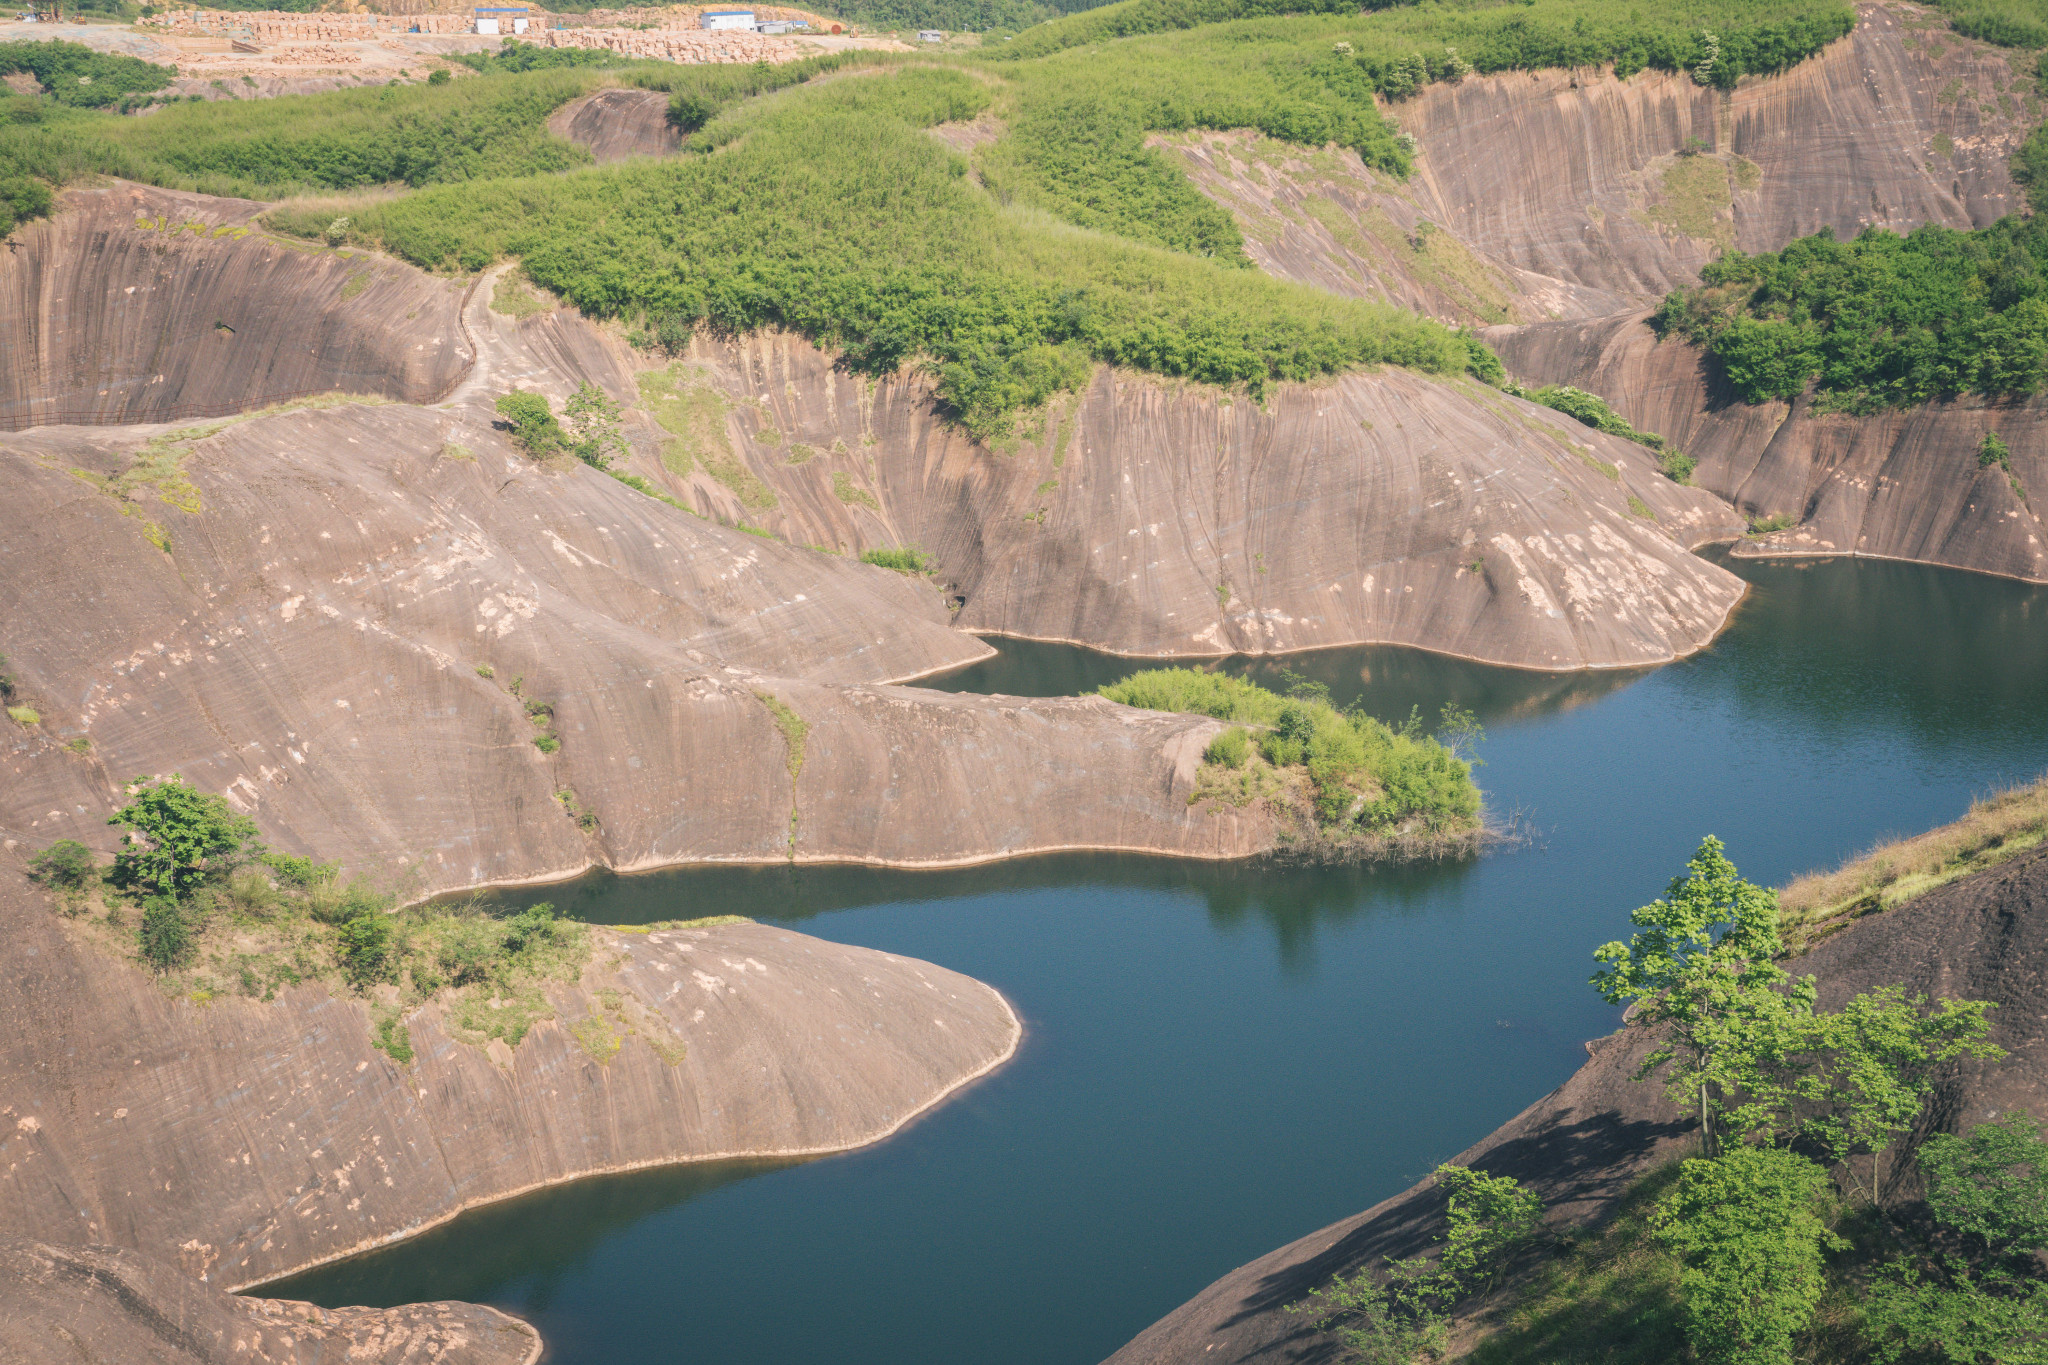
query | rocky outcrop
(1903,484)
(1984,937)
(242,1140)
(1152,519)
(106,1304)
(143,305)
(1569,194)
(616,124)
(338,616)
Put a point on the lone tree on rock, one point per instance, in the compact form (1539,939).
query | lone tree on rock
(179,835)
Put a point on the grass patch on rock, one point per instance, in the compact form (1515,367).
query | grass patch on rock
(1354,779)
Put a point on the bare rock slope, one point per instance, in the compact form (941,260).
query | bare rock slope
(615,124)
(243,1140)
(1572,194)
(345,617)
(1152,519)
(1984,937)
(1903,484)
(103,1305)
(145,305)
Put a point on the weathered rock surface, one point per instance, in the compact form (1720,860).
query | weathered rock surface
(242,1140)
(616,124)
(1565,194)
(1157,520)
(145,305)
(310,645)
(103,1305)
(1898,485)
(1984,937)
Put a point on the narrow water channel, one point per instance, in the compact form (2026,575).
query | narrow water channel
(1220,1058)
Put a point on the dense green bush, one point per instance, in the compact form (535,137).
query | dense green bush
(1749,1228)
(1363,773)
(2008,23)
(66,865)
(1880,321)
(904,559)
(76,75)
(165,938)
(828,212)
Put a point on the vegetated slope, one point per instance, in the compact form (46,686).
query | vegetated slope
(1899,484)
(1147,519)
(105,1303)
(1984,937)
(294,609)
(286,1138)
(150,306)
(1575,194)
(1091,86)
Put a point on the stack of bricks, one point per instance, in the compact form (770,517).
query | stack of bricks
(689,47)
(679,17)
(280,26)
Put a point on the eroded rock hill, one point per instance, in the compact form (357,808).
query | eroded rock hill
(1571,194)
(103,1305)
(1983,937)
(242,1140)
(343,617)
(1903,484)
(145,305)
(617,123)
(1151,519)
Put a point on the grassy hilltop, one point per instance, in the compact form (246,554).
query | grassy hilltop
(825,206)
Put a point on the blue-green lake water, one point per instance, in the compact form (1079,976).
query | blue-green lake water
(1222,1058)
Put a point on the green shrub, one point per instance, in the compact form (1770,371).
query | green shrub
(1992,450)
(1231,749)
(24,715)
(439,76)
(907,559)
(1750,1229)
(1676,465)
(298,872)
(547,744)
(1363,773)
(164,937)
(66,865)
(534,426)
(363,944)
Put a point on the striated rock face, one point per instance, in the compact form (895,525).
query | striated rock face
(144,305)
(311,642)
(1565,194)
(106,1304)
(1898,485)
(241,1140)
(1151,519)
(616,124)
(1984,937)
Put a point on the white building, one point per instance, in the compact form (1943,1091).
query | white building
(726,18)
(780,26)
(930,35)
